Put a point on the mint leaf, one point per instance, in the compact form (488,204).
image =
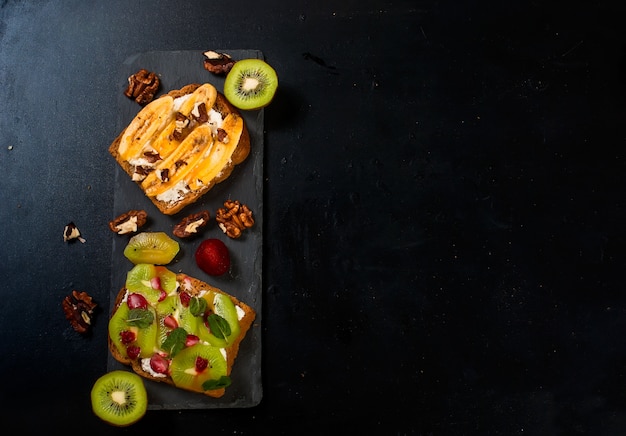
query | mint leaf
(197,306)
(222,382)
(141,318)
(175,341)
(219,326)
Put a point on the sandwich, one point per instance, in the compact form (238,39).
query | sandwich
(176,329)
(181,145)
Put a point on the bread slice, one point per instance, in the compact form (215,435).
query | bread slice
(195,288)
(181,145)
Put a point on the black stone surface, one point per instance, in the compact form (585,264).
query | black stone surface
(443,243)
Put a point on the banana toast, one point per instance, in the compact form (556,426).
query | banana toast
(181,145)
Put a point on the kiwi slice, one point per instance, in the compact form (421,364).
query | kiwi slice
(151,247)
(125,320)
(174,307)
(250,84)
(119,398)
(150,281)
(188,371)
(221,309)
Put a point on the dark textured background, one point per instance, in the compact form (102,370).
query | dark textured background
(443,211)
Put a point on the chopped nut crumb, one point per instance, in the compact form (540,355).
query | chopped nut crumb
(71,232)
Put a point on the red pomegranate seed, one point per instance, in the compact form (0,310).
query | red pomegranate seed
(133,351)
(185,298)
(170,322)
(127,337)
(201,364)
(159,364)
(191,340)
(137,301)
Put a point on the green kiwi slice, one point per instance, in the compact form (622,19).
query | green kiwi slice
(173,306)
(250,84)
(222,309)
(151,247)
(142,325)
(119,398)
(184,368)
(146,278)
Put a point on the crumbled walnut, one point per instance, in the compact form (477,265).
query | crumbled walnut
(218,63)
(200,113)
(128,222)
(142,86)
(181,124)
(79,310)
(71,232)
(234,218)
(191,224)
(222,136)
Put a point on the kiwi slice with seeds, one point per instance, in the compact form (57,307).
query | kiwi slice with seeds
(119,398)
(250,84)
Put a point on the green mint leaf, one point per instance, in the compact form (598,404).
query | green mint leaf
(141,318)
(219,326)
(222,382)
(197,306)
(175,341)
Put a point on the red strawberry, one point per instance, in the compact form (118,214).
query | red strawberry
(212,257)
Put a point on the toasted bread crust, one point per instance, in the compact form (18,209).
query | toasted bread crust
(239,155)
(194,287)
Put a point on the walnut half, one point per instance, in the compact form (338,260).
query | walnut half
(128,222)
(234,218)
(79,309)
(191,224)
(142,86)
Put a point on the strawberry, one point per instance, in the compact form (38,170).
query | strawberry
(212,257)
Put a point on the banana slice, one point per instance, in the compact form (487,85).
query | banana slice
(197,146)
(220,155)
(148,123)
(166,142)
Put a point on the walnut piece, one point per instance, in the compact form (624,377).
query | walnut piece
(191,224)
(71,232)
(142,86)
(234,218)
(128,222)
(79,310)
(218,63)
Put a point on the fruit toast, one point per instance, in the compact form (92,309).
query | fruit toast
(176,329)
(181,145)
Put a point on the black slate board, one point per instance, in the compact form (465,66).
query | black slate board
(244,280)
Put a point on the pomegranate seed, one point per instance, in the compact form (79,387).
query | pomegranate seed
(170,322)
(137,301)
(155,282)
(185,298)
(162,295)
(201,364)
(191,340)
(159,364)
(127,337)
(133,351)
